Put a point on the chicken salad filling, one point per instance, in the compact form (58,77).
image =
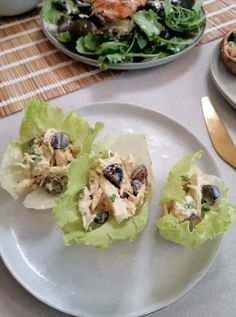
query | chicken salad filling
(46,161)
(231,45)
(116,187)
(200,198)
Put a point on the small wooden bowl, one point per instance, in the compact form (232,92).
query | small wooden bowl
(229,61)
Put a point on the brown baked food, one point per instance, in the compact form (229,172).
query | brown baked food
(228,50)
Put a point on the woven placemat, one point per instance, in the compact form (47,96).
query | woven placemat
(221,17)
(31,68)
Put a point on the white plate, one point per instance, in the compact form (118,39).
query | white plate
(130,278)
(49,32)
(224,80)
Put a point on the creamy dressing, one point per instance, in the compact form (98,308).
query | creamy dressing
(42,160)
(191,205)
(101,195)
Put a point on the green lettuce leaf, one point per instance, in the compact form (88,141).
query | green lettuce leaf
(147,22)
(50,13)
(172,189)
(167,7)
(64,37)
(38,117)
(66,206)
(215,222)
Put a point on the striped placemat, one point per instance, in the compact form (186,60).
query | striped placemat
(31,68)
(221,17)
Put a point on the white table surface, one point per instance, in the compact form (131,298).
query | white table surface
(175,90)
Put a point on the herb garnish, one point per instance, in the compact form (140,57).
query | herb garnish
(113,197)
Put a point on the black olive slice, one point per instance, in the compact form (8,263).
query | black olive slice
(101,217)
(211,194)
(53,185)
(60,140)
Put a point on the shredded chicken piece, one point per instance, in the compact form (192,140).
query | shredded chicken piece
(125,185)
(26,169)
(167,207)
(111,159)
(93,182)
(195,191)
(117,204)
(130,206)
(96,198)
(128,165)
(140,197)
(84,204)
(24,186)
(59,170)
(62,157)
(74,148)
(103,203)
(46,151)
(41,169)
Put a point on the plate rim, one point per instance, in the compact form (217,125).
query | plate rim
(206,267)
(214,60)
(119,66)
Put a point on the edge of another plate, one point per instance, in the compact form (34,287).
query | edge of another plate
(215,60)
(205,267)
(121,66)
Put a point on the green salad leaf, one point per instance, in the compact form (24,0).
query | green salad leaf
(92,42)
(172,189)
(71,6)
(148,23)
(64,37)
(145,35)
(50,13)
(39,116)
(66,208)
(111,47)
(185,20)
(110,59)
(83,43)
(167,7)
(215,221)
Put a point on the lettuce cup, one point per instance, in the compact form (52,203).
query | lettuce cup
(36,165)
(108,193)
(194,206)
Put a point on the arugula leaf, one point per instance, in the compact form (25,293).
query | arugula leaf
(148,55)
(167,7)
(141,41)
(110,59)
(184,20)
(110,47)
(147,22)
(93,44)
(175,44)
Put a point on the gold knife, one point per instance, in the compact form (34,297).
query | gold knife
(220,137)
